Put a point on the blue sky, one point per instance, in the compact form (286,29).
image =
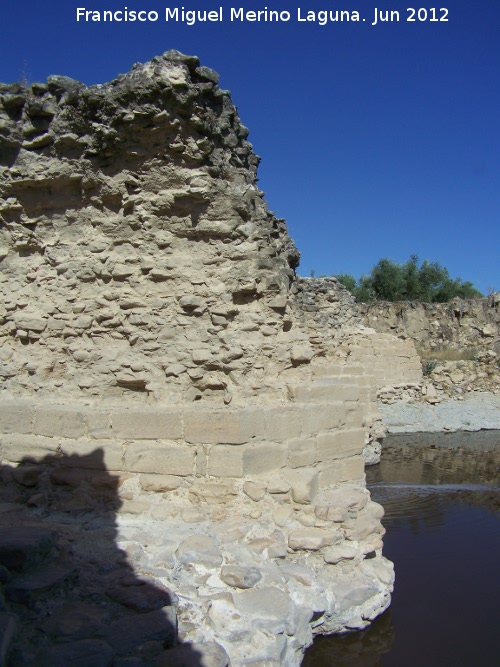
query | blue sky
(376,140)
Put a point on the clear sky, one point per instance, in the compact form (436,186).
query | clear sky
(376,140)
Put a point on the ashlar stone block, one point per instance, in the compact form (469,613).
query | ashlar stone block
(16,447)
(147,424)
(16,416)
(59,421)
(248,459)
(301,452)
(233,427)
(322,417)
(343,470)
(340,444)
(93,454)
(164,458)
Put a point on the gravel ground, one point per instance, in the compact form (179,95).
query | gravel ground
(478,410)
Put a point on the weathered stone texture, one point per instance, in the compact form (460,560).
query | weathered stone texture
(459,343)
(152,324)
(99,221)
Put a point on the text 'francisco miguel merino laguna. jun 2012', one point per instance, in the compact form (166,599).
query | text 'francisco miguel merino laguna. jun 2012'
(240,15)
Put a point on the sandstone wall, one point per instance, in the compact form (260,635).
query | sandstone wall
(459,342)
(138,254)
(323,424)
(461,323)
(345,336)
(152,321)
(257,521)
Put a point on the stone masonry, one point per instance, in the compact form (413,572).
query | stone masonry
(459,343)
(155,342)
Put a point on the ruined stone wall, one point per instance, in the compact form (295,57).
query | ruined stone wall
(461,323)
(319,433)
(151,320)
(344,336)
(459,342)
(137,253)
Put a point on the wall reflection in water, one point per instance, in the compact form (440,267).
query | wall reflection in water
(359,649)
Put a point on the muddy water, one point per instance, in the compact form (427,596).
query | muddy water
(442,502)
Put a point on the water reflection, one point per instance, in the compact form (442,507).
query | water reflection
(355,649)
(442,503)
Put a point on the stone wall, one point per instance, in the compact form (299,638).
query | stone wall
(322,424)
(344,336)
(460,323)
(138,254)
(153,328)
(256,520)
(459,342)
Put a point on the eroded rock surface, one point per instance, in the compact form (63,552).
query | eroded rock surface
(137,252)
(159,352)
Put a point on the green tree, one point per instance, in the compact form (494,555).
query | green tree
(389,281)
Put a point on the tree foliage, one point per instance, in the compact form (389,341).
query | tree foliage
(388,281)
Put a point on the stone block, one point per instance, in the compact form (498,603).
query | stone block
(59,421)
(304,484)
(343,470)
(282,423)
(254,490)
(165,458)
(301,452)
(147,424)
(335,554)
(16,447)
(213,493)
(159,483)
(239,576)
(16,416)
(350,594)
(340,444)
(323,391)
(93,454)
(322,417)
(313,539)
(98,424)
(249,459)
(301,353)
(213,427)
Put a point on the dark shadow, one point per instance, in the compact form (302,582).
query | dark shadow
(68,595)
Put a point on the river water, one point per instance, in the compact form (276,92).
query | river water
(441,496)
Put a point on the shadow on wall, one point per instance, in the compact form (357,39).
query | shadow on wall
(68,596)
